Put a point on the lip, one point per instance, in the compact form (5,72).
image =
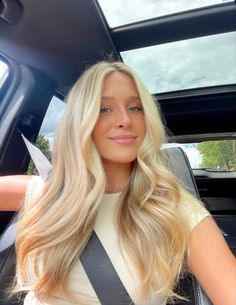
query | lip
(125,139)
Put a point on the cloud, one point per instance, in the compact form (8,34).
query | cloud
(193,63)
(194,156)
(200,62)
(52,119)
(123,11)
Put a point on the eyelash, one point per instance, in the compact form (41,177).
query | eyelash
(137,108)
(132,108)
(105,110)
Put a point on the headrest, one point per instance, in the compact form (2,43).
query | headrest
(180,167)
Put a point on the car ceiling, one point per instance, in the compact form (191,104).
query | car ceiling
(57,38)
(60,38)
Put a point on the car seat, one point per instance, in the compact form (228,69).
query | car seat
(180,167)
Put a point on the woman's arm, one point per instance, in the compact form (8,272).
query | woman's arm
(212,263)
(12,191)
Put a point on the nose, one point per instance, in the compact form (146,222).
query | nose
(123,120)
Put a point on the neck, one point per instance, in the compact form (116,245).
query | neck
(118,176)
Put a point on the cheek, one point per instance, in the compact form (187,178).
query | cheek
(95,135)
(98,132)
(142,125)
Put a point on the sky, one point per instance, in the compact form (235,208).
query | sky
(121,12)
(199,62)
(193,63)
(52,119)
(194,156)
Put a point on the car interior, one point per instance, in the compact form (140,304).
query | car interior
(186,56)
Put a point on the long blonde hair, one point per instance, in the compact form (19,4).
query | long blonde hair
(151,230)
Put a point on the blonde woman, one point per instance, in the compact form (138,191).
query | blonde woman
(109,175)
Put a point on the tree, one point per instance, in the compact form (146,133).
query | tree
(219,155)
(43,144)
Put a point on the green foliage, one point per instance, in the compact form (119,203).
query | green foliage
(218,155)
(43,144)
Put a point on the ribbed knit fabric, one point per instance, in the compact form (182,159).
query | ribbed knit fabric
(107,232)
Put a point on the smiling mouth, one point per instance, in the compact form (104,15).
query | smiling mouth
(124,139)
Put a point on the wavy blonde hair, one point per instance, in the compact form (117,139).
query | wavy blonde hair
(152,232)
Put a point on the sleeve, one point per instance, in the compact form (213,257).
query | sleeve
(193,212)
(34,188)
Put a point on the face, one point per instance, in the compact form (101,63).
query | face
(120,128)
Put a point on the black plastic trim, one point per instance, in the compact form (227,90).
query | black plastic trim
(185,25)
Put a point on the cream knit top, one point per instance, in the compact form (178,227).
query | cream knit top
(106,231)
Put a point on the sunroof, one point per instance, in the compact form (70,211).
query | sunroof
(186,64)
(120,12)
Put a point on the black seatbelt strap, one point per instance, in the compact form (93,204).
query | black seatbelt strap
(102,274)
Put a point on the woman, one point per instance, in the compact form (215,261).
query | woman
(109,175)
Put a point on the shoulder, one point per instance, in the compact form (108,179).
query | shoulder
(193,212)
(35,187)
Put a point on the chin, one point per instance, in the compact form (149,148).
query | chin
(119,161)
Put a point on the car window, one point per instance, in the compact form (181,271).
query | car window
(48,128)
(4,72)
(123,12)
(203,58)
(217,155)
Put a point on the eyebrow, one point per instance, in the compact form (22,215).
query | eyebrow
(106,97)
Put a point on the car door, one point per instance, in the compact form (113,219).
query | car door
(22,108)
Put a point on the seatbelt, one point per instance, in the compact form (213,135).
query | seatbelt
(96,263)
(102,274)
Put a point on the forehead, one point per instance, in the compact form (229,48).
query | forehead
(119,81)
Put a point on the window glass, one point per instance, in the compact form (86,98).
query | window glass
(46,135)
(52,119)
(217,155)
(120,12)
(4,72)
(193,63)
